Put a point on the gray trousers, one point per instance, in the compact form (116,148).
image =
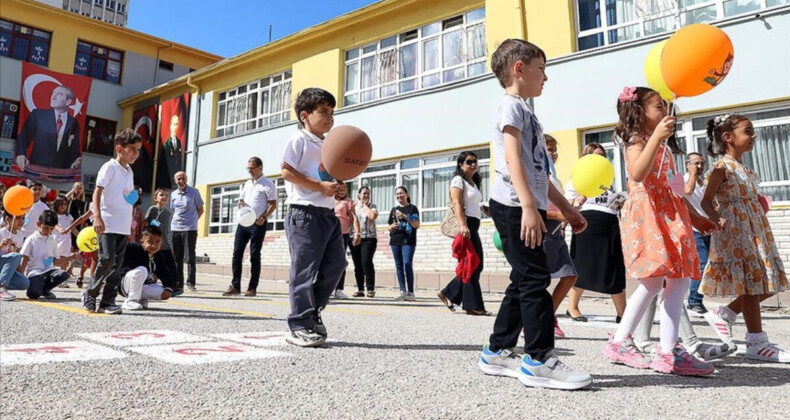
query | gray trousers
(317,261)
(685,332)
(112,247)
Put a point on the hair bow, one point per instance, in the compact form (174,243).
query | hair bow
(628,94)
(721,119)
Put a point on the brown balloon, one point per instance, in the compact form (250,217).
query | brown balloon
(346,152)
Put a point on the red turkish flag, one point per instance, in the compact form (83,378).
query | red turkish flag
(144,122)
(52,145)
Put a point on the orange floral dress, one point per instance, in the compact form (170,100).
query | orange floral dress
(743,259)
(655,226)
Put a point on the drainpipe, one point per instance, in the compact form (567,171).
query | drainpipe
(156,65)
(196,89)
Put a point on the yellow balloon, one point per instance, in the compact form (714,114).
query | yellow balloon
(87,241)
(592,175)
(653,75)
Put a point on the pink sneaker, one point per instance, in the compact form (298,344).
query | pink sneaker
(625,352)
(5,295)
(679,361)
(558,333)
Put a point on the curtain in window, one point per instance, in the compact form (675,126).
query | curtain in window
(408,61)
(771,159)
(436,187)
(20,48)
(475,42)
(368,72)
(452,50)
(382,194)
(97,68)
(388,66)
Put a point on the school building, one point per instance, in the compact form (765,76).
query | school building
(415,75)
(122,62)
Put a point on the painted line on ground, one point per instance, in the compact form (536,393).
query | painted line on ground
(62,307)
(219,309)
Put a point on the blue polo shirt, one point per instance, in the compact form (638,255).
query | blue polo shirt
(184,205)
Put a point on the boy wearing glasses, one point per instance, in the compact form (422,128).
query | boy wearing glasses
(259,194)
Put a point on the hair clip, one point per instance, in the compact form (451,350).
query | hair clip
(721,119)
(628,94)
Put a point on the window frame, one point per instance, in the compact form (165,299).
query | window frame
(88,129)
(394,83)
(32,36)
(678,16)
(95,54)
(261,119)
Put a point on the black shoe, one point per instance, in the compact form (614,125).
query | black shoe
(109,309)
(318,323)
(305,338)
(618,319)
(580,318)
(88,302)
(699,310)
(48,295)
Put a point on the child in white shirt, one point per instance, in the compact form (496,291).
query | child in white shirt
(39,261)
(10,243)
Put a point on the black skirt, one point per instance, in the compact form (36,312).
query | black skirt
(598,254)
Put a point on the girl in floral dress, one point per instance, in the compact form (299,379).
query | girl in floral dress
(743,260)
(658,244)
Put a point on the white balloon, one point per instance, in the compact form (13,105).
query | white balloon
(246,216)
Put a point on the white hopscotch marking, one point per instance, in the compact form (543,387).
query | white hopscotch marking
(142,338)
(198,353)
(261,339)
(68,351)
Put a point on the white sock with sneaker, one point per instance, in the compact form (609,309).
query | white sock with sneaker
(759,348)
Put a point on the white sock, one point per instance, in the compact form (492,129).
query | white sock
(671,308)
(727,314)
(637,305)
(756,338)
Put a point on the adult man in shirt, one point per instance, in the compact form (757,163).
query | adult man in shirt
(187,206)
(259,194)
(693,190)
(54,134)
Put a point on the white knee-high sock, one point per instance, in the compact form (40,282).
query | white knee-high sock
(637,305)
(671,308)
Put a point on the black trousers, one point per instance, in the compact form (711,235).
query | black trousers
(364,271)
(184,246)
(527,303)
(469,295)
(253,235)
(112,247)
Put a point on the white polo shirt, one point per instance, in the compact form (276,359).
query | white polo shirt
(32,217)
(257,194)
(17,239)
(117,182)
(41,252)
(303,153)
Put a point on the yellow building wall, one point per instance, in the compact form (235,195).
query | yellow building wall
(323,71)
(67,28)
(203,221)
(568,147)
(504,20)
(551,26)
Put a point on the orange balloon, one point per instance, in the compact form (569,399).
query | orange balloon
(18,200)
(696,59)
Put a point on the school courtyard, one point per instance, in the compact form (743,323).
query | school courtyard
(202,356)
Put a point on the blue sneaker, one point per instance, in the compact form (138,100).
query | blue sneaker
(88,302)
(501,363)
(551,374)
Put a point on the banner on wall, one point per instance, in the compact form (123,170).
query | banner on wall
(49,142)
(144,122)
(173,136)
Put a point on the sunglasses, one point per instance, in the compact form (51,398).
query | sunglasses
(249,168)
(471,162)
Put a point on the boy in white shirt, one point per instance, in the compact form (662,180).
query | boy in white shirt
(38,207)
(314,235)
(114,197)
(11,241)
(39,258)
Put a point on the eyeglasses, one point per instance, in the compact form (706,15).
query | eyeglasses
(471,162)
(249,168)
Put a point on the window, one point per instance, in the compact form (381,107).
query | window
(426,178)
(24,43)
(111,4)
(224,205)
(441,52)
(99,136)
(770,157)
(98,2)
(165,65)
(9,118)
(121,8)
(98,62)
(259,104)
(606,22)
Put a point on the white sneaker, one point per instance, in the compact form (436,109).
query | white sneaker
(401,295)
(410,297)
(722,328)
(551,374)
(131,305)
(144,303)
(340,295)
(759,348)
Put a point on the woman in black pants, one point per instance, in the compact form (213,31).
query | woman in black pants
(362,254)
(466,196)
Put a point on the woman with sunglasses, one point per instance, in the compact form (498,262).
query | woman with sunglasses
(466,196)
